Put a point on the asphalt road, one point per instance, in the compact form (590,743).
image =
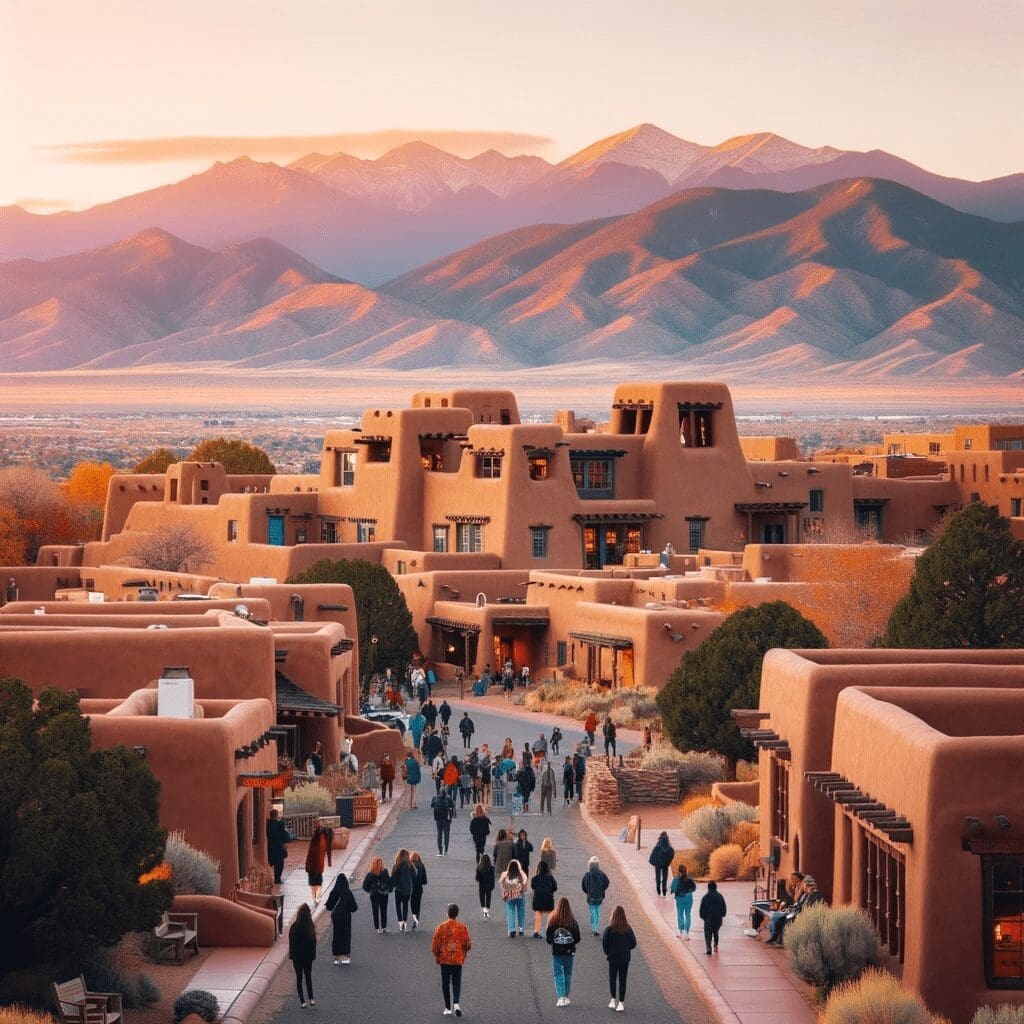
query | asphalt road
(393,977)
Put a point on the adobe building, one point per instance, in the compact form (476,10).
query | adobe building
(891,776)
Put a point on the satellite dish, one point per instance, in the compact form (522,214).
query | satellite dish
(481,600)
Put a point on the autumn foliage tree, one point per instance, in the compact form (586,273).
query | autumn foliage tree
(86,489)
(157,461)
(42,510)
(235,456)
(12,537)
(177,547)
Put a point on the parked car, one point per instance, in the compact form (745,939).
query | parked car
(387,716)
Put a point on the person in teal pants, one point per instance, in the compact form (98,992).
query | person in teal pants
(683,888)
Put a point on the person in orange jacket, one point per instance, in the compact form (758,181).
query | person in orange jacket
(450,779)
(590,727)
(450,945)
(387,778)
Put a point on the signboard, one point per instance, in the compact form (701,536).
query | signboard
(517,805)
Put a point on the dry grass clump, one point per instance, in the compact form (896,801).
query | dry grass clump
(751,863)
(710,827)
(16,1014)
(878,998)
(992,1015)
(828,946)
(694,802)
(696,863)
(745,833)
(628,707)
(724,862)
(308,798)
(747,771)
(193,872)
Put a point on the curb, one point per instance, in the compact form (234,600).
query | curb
(702,984)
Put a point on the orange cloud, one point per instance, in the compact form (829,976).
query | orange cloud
(288,147)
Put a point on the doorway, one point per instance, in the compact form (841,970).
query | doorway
(773,533)
(275,530)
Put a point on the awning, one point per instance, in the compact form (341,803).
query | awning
(452,624)
(871,501)
(266,780)
(596,453)
(871,812)
(293,700)
(602,639)
(770,506)
(533,621)
(616,517)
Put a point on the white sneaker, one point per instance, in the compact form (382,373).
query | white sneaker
(567,1002)
(447,1012)
(560,1001)
(458,1010)
(336,962)
(346,960)
(613,1004)
(621,1008)
(312,1002)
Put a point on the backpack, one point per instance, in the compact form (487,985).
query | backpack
(562,940)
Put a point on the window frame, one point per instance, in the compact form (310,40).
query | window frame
(539,541)
(469,538)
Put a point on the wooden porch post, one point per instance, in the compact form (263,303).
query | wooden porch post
(615,668)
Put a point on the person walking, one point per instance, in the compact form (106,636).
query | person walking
(547,786)
(508,750)
(609,732)
(522,850)
(302,952)
(418,884)
(539,749)
(661,859)
(319,850)
(466,730)
(437,767)
(544,888)
(579,764)
(430,712)
(595,884)
(403,878)
(563,936)
(387,778)
(377,884)
(417,723)
(556,738)
(342,905)
(683,888)
(450,946)
(277,844)
(433,746)
(486,777)
(465,784)
(513,892)
(413,777)
(485,884)
(527,779)
(590,727)
(479,829)
(547,853)
(618,943)
(504,852)
(568,780)
(450,779)
(712,913)
(444,810)
(445,711)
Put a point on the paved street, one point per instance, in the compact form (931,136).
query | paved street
(393,977)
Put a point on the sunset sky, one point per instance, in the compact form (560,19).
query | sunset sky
(939,82)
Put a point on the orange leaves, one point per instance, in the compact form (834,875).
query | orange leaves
(87,484)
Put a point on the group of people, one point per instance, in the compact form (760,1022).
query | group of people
(801,891)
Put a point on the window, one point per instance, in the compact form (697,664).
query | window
(300,534)
(593,477)
(817,502)
(344,469)
(1016,445)
(986,472)
(538,467)
(174,490)
(780,799)
(968,444)
(401,568)
(933,447)
(961,472)
(441,539)
(329,533)
(489,467)
(539,541)
(695,529)
(634,540)
(379,451)
(1015,504)
(695,422)
(232,529)
(1003,880)
(505,416)
(974,473)
(884,889)
(204,485)
(561,652)
(469,537)
(366,531)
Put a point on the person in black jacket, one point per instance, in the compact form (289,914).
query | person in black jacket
(485,883)
(568,780)
(342,905)
(618,942)
(609,732)
(403,879)
(417,887)
(277,845)
(302,951)
(479,829)
(445,711)
(712,913)
(527,779)
(444,810)
(563,935)
(522,848)
(544,888)
(466,728)
(661,859)
(595,884)
(378,884)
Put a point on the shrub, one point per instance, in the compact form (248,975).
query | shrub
(745,833)
(747,771)
(308,798)
(104,974)
(879,998)
(198,1001)
(193,872)
(694,802)
(337,779)
(828,946)
(990,1015)
(724,862)
(696,863)
(710,827)
(751,863)
(23,1015)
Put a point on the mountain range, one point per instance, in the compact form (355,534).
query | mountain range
(862,277)
(372,220)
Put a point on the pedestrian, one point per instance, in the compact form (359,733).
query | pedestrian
(524,677)
(503,853)
(320,845)
(433,746)
(403,878)
(595,884)
(556,738)
(466,729)
(342,905)
(527,779)
(712,913)
(661,859)
(437,767)
(317,758)
(539,748)
(485,884)
(387,778)
(508,750)
(302,952)
(413,777)
(444,811)
(547,786)
(563,935)
(445,711)
(418,884)
(568,780)
(648,738)
(544,888)
(547,853)
(417,723)
(513,892)
(590,727)
(430,712)
(486,777)
(579,764)
(683,888)
(378,884)
(465,784)
(609,732)
(451,780)
(479,829)
(277,844)
(618,943)
(450,945)
(522,850)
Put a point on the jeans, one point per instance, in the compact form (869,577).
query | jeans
(387,789)
(485,897)
(661,880)
(609,744)
(561,967)
(303,970)
(379,905)
(545,798)
(466,740)
(402,906)
(595,915)
(414,902)
(684,904)
(444,831)
(451,983)
(617,973)
(711,934)
(515,911)
(554,746)
(579,787)
(463,797)
(411,788)
(567,788)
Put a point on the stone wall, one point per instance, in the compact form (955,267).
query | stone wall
(645,787)
(600,788)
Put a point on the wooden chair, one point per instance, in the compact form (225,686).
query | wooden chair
(76,1005)
(175,934)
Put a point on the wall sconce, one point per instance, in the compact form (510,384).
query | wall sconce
(450,648)
(421,584)
(694,625)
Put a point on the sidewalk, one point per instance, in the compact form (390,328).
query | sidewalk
(745,982)
(239,975)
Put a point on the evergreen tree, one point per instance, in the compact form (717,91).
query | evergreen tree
(235,456)
(157,461)
(968,587)
(723,673)
(381,611)
(77,828)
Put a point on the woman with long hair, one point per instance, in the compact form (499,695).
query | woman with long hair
(302,952)
(683,887)
(544,888)
(513,892)
(618,943)
(479,829)
(342,905)
(403,880)
(503,853)
(485,883)
(661,859)
(319,851)
(563,935)
(378,884)
(547,853)
(417,887)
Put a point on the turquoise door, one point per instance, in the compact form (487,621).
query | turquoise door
(275,530)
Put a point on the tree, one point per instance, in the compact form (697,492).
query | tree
(724,672)
(157,461)
(41,508)
(381,610)
(179,547)
(12,538)
(77,828)
(87,483)
(967,589)
(234,456)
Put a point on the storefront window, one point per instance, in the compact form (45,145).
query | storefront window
(1004,920)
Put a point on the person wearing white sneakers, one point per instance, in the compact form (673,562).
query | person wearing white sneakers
(618,943)
(485,883)
(342,905)
(563,935)
(403,879)
(683,887)
(450,945)
(302,952)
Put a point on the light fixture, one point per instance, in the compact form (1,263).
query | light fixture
(141,751)
(1003,822)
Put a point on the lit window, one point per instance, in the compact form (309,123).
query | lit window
(538,467)
(366,531)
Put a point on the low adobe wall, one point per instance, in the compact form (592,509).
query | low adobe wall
(225,923)
(726,793)
(370,741)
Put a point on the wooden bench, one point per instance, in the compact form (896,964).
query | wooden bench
(175,934)
(76,1005)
